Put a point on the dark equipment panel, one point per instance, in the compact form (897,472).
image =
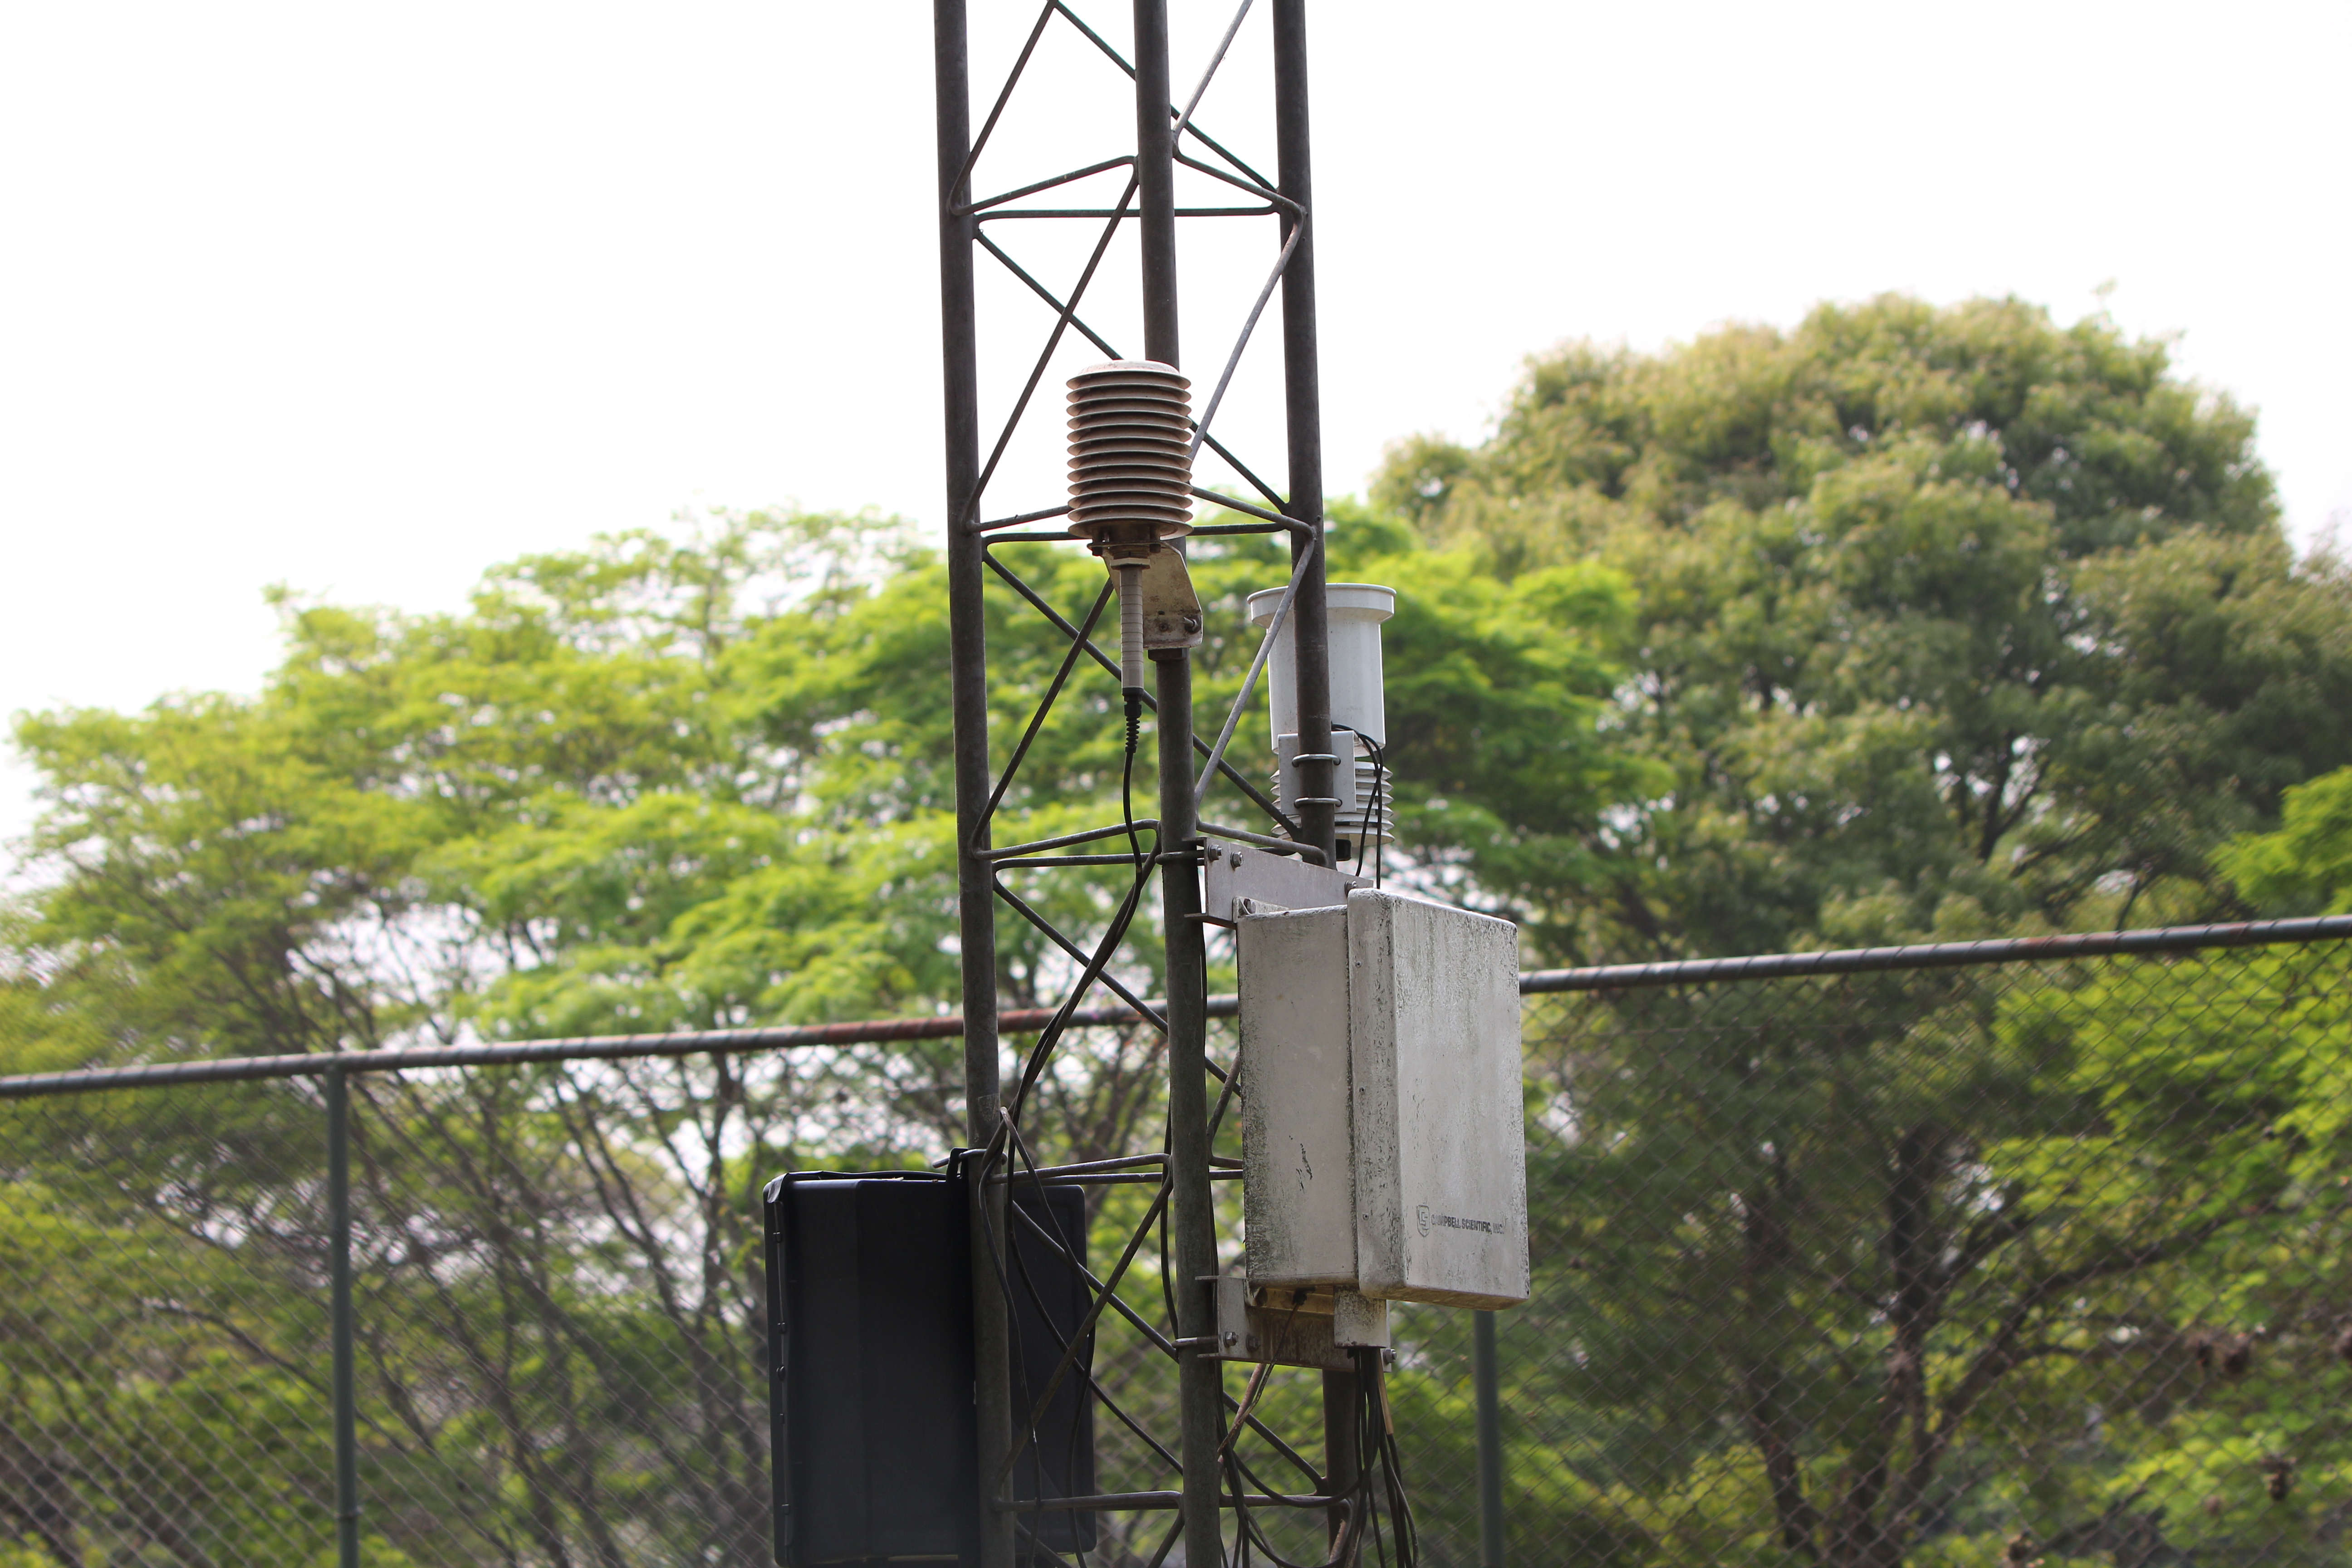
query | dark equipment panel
(870,1388)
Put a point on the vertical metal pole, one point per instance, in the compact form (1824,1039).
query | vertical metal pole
(1314,787)
(1201,1388)
(1155,181)
(968,673)
(1200,1382)
(1313,784)
(1490,1443)
(339,1311)
(967,626)
(1342,1467)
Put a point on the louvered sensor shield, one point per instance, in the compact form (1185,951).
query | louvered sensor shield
(1131,481)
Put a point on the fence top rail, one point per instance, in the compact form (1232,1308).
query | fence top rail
(585,1048)
(1936,955)
(1030,1020)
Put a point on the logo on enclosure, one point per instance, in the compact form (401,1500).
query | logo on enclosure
(1426,1220)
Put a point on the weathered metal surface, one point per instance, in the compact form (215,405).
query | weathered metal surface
(1297,1147)
(1171,610)
(1433,1065)
(1237,872)
(1382,1132)
(1296,1325)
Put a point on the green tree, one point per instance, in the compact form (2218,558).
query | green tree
(1947,622)
(2305,866)
(668,782)
(1893,1268)
(1950,621)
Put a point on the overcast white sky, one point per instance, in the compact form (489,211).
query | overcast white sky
(365,298)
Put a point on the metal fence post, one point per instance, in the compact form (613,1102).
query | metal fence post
(1490,1443)
(339,1221)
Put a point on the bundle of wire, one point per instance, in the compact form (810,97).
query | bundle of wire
(1378,1492)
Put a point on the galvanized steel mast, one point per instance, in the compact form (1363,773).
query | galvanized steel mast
(1162,127)
(1317,765)
(1200,1382)
(968,674)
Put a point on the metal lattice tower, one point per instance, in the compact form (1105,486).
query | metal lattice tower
(1165,138)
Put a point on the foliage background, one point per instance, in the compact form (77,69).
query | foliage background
(1909,622)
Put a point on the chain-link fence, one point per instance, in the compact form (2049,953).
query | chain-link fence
(553,1274)
(2044,1261)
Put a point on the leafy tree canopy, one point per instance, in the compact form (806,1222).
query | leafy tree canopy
(1948,621)
(2304,868)
(1907,621)
(698,781)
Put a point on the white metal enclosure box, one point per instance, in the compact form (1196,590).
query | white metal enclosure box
(1382,1129)
(1298,1189)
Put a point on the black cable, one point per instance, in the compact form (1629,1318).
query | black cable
(1122,918)
(1051,1034)
(1377,1439)
(1375,820)
(1241,1514)
(1142,870)
(1408,1529)
(1250,1532)
(1167,1280)
(1357,1500)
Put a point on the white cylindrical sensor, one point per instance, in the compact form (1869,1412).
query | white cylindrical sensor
(1357,610)
(1365,815)
(1130,623)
